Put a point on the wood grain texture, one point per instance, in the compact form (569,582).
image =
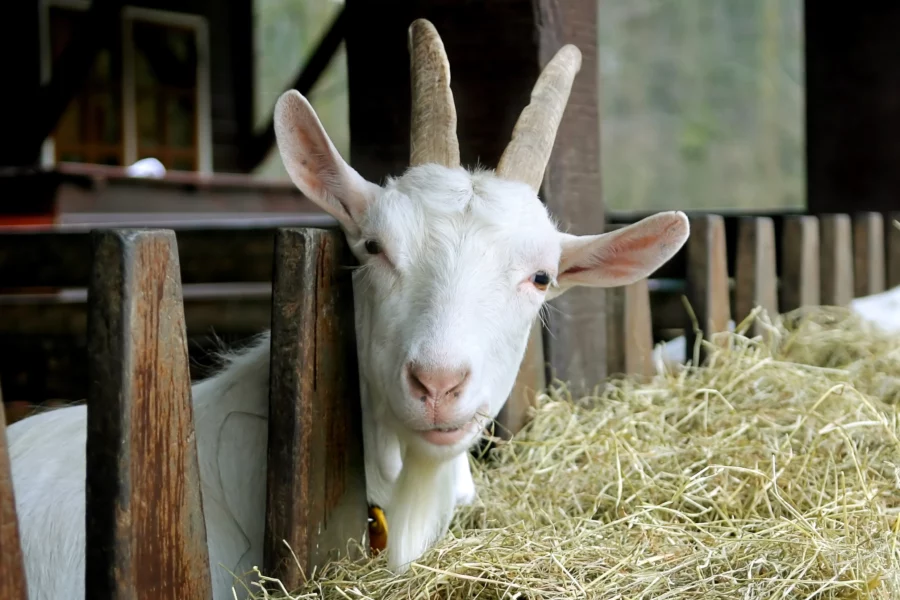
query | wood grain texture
(12,568)
(707,279)
(800,256)
(496,51)
(41,367)
(238,313)
(572,190)
(892,237)
(316,496)
(836,260)
(868,254)
(62,259)
(146,537)
(531,380)
(629,329)
(756,277)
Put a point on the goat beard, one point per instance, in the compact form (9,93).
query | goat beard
(420,510)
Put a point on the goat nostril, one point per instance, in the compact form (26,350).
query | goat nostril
(436,383)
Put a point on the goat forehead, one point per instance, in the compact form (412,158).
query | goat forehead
(455,214)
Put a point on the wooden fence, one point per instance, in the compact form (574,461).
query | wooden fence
(139,372)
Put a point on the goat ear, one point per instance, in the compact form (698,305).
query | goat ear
(621,257)
(315,166)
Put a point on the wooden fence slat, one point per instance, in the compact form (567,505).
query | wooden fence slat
(756,277)
(316,495)
(800,257)
(146,536)
(629,329)
(868,254)
(892,235)
(836,262)
(707,279)
(531,380)
(12,567)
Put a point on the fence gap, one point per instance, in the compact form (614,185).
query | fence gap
(316,494)
(756,278)
(800,271)
(836,262)
(146,537)
(868,254)
(707,279)
(531,380)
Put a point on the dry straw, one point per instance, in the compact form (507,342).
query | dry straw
(771,472)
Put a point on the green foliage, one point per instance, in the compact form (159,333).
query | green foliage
(702,104)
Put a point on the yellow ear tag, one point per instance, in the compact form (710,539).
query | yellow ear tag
(378,530)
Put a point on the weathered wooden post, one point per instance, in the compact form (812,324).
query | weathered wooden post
(316,495)
(868,254)
(146,537)
(756,277)
(836,263)
(800,270)
(707,279)
(12,567)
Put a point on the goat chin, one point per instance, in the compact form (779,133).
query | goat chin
(421,508)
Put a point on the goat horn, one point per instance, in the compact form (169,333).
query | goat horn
(432,133)
(528,152)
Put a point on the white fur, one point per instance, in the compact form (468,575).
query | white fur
(452,289)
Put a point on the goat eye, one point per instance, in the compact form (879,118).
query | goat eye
(540,280)
(373,247)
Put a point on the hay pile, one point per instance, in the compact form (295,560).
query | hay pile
(772,472)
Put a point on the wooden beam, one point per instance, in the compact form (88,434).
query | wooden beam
(800,271)
(892,236)
(868,254)
(246,313)
(531,380)
(208,255)
(12,566)
(54,367)
(836,260)
(707,279)
(756,277)
(146,535)
(496,51)
(629,329)
(316,476)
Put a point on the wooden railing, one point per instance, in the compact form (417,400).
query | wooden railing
(140,422)
(129,277)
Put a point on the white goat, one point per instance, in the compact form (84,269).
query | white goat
(455,266)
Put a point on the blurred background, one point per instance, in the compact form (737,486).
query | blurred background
(701,100)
